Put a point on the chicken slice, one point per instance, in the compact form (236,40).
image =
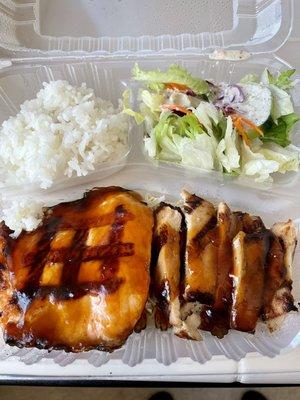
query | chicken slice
(216,318)
(249,259)
(230,224)
(227,227)
(201,250)
(166,261)
(278,299)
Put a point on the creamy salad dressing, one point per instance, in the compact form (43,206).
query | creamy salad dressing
(229,55)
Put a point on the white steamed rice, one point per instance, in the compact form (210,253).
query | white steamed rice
(65,131)
(21,214)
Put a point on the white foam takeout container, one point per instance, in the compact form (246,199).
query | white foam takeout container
(97,42)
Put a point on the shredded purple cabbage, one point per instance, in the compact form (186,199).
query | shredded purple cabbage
(228,97)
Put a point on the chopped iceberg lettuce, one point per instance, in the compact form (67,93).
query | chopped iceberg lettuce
(227,150)
(152,100)
(174,74)
(199,152)
(282,102)
(254,164)
(208,115)
(287,158)
(139,118)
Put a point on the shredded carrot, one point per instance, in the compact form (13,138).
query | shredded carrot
(241,131)
(175,107)
(242,124)
(178,86)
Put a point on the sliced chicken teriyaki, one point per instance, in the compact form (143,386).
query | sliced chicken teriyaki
(171,310)
(235,270)
(201,250)
(278,299)
(216,318)
(262,274)
(249,261)
(166,261)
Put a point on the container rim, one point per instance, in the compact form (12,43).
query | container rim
(265,37)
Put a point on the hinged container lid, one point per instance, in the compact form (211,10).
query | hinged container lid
(44,28)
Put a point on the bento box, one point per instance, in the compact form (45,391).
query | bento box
(98,43)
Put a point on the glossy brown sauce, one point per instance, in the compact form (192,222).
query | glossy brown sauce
(77,251)
(204,244)
(207,235)
(192,202)
(72,258)
(275,279)
(162,311)
(37,260)
(159,240)
(160,288)
(247,301)
(142,323)
(266,272)
(216,321)
(216,318)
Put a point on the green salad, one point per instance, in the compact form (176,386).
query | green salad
(240,129)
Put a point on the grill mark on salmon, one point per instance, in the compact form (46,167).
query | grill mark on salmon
(38,258)
(72,258)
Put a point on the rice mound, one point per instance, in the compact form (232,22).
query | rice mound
(65,131)
(21,214)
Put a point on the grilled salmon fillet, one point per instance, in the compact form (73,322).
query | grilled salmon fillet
(81,279)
